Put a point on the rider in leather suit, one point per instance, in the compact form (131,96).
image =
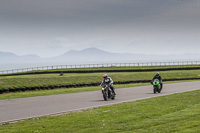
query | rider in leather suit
(157,76)
(109,81)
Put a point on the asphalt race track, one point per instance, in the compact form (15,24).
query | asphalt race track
(24,108)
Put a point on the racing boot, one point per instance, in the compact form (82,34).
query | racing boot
(113,90)
(161,86)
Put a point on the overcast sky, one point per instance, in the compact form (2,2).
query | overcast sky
(52,27)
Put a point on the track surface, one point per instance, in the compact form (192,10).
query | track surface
(24,108)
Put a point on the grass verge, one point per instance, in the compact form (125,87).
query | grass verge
(165,114)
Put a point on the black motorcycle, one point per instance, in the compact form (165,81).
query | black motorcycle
(107,93)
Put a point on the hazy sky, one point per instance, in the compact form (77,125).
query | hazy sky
(53,27)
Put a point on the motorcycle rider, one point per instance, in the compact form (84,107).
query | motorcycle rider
(157,76)
(107,80)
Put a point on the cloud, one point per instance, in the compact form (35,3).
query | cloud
(132,26)
(55,45)
(59,43)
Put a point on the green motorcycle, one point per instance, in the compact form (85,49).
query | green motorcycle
(156,86)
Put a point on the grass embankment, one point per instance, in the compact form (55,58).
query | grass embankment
(172,113)
(55,79)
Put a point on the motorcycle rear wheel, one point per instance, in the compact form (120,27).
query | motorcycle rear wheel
(113,98)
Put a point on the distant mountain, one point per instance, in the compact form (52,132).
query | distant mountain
(90,54)
(95,55)
(87,55)
(88,51)
(7,57)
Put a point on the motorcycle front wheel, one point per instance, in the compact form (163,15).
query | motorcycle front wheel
(154,90)
(105,95)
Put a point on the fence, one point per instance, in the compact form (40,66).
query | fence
(101,65)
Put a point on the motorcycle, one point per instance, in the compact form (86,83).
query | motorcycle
(107,93)
(156,86)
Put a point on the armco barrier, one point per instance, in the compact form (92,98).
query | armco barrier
(179,63)
(7,90)
(99,71)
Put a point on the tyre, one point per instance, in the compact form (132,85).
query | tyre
(113,98)
(109,94)
(105,95)
(154,90)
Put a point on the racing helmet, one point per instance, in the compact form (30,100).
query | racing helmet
(157,74)
(105,75)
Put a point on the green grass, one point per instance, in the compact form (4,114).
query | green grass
(178,113)
(55,79)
